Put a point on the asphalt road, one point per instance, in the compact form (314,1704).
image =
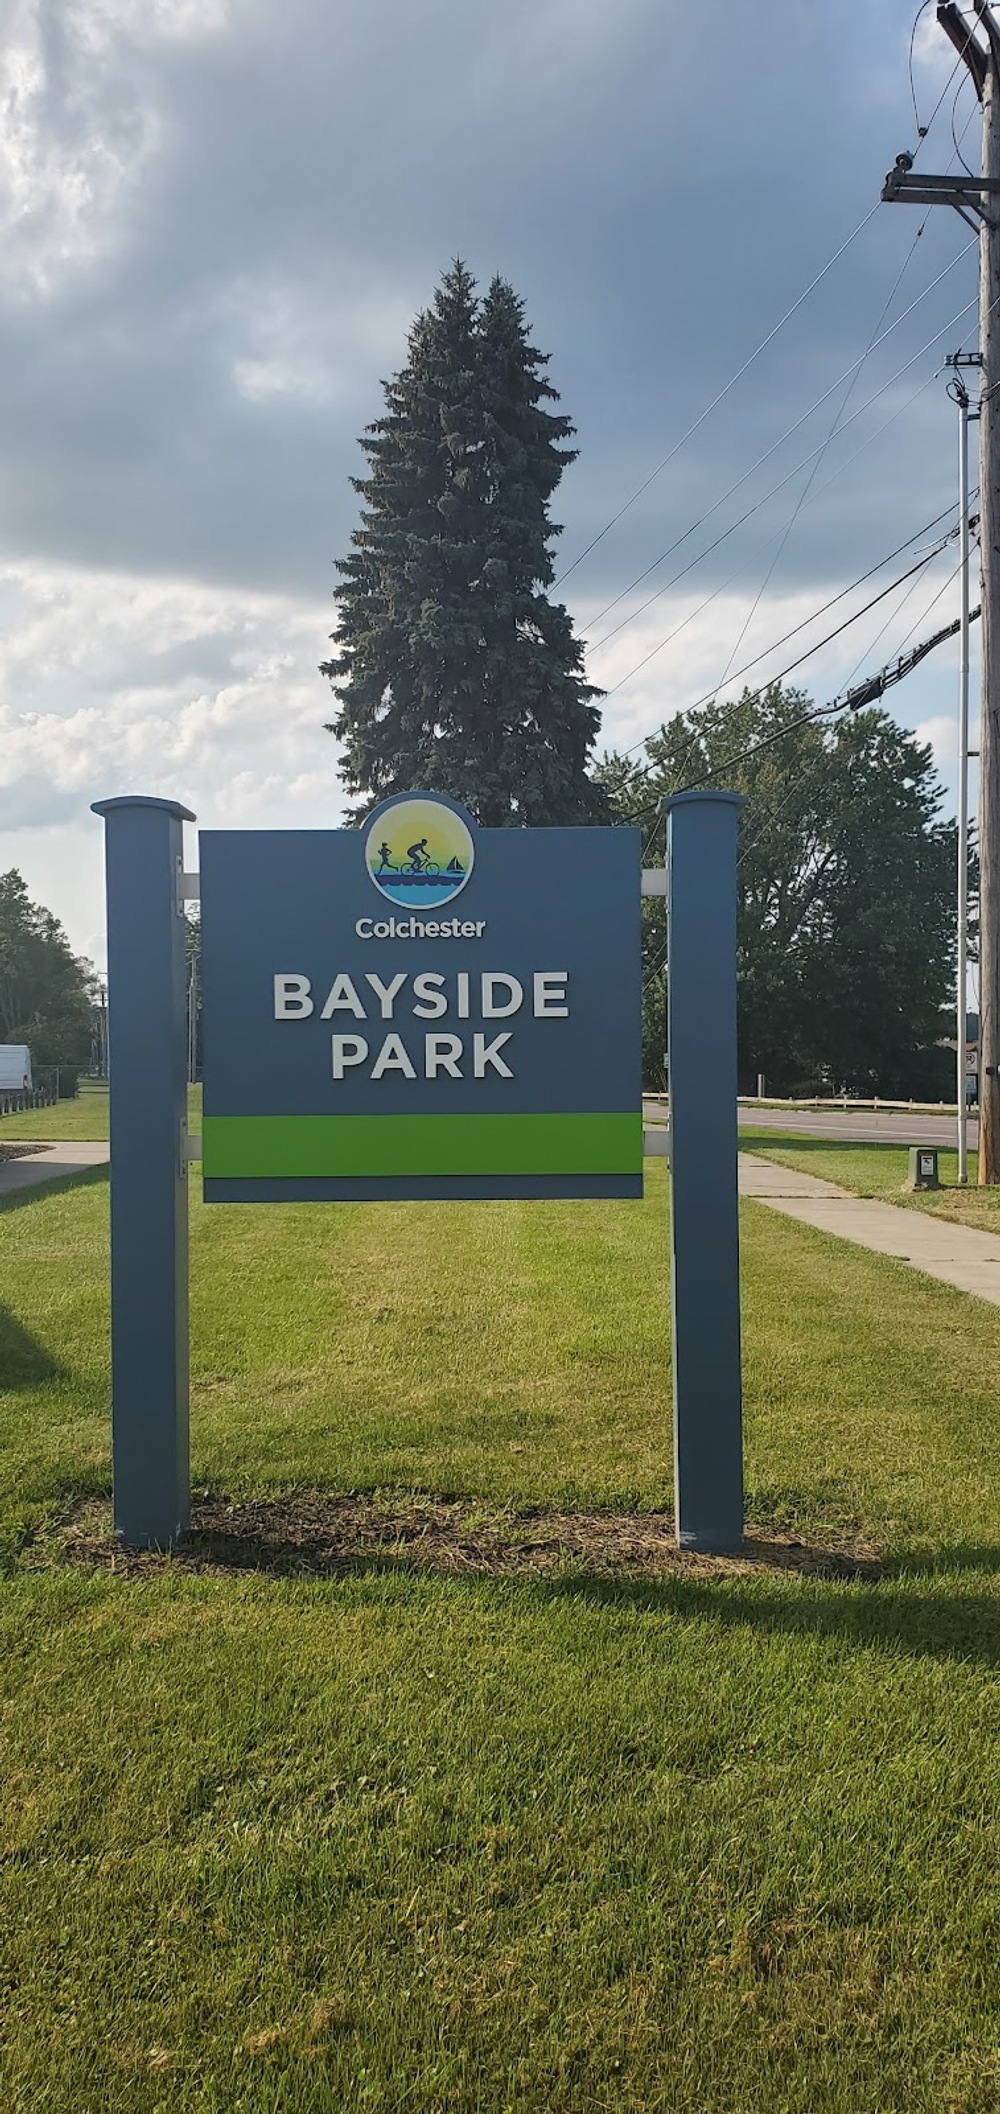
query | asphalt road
(865,1127)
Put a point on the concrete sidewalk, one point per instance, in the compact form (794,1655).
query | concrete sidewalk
(52,1162)
(958,1255)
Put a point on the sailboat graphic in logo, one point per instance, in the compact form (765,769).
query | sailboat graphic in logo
(419,853)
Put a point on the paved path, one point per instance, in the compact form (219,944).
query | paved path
(959,1255)
(70,1156)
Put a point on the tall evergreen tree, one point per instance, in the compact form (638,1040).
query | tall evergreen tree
(453,668)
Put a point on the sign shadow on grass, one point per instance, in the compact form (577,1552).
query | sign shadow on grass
(36,1192)
(24,1362)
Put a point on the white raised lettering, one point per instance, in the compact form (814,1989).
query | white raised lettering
(386,993)
(462,981)
(430,989)
(291,998)
(392,1057)
(485,1053)
(343,998)
(363,928)
(441,1054)
(550,994)
(515,995)
(346,1050)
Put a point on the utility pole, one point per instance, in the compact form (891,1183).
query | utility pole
(989,733)
(960,395)
(978,44)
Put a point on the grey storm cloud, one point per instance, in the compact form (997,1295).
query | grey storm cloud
(269,193)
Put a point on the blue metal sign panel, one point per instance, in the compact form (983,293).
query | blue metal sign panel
(420,1008)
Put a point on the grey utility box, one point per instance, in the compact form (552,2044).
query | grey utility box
(923,1168)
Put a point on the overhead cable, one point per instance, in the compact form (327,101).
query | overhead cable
(722,394)
(866,693)
(773,450)
(838,415)
(867,443)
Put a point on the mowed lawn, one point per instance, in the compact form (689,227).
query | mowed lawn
(428,1841)
(85,1116)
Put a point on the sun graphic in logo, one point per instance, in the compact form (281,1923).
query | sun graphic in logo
(419,852)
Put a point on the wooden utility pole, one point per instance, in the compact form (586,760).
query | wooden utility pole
(989,733)
(977,42)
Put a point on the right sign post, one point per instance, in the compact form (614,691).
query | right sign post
(704,1228)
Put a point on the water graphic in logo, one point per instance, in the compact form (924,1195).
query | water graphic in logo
(419,853)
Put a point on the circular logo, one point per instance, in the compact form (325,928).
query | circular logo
(419,853)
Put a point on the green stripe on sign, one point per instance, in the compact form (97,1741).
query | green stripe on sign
(233,1146)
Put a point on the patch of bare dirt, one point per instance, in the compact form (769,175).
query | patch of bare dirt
(315,1535)
(16,1150)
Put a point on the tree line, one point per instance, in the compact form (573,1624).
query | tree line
(46,991)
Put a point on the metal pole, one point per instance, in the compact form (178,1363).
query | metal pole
(961,397)
(704,1221)
(149,1217)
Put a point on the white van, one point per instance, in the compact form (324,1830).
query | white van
(15,1068)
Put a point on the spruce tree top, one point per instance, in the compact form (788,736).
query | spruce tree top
(453,669)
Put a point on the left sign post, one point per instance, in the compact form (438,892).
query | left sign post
(149,1205)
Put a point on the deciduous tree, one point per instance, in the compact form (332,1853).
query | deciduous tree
(45,989)
(846,889)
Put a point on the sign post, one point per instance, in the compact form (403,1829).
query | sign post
(149,1206)
(704,1224)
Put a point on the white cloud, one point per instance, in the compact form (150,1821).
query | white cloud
(78,125)
(98,24)
(940,733)
(111,685)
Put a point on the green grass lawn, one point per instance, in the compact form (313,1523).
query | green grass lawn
(398,1840)
(84,1117)
(882,1170)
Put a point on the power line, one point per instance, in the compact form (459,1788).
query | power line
(773,450)
(921,130)
(755,696)
(853,701)
(810,480)
(867,443)
(654,650)
(814,614)
(836,706)
(647,770)
(717,400)
(803,496)
(697,423)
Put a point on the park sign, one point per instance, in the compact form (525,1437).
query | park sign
(417,1008)
(422,1009)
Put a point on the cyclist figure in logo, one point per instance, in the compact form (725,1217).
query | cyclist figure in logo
(418,857)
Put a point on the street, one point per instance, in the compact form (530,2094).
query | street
(867,1126)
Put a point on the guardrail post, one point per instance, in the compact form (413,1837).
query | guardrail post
(149,1205)
(704,1227)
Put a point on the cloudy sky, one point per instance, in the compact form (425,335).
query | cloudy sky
(218,220)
